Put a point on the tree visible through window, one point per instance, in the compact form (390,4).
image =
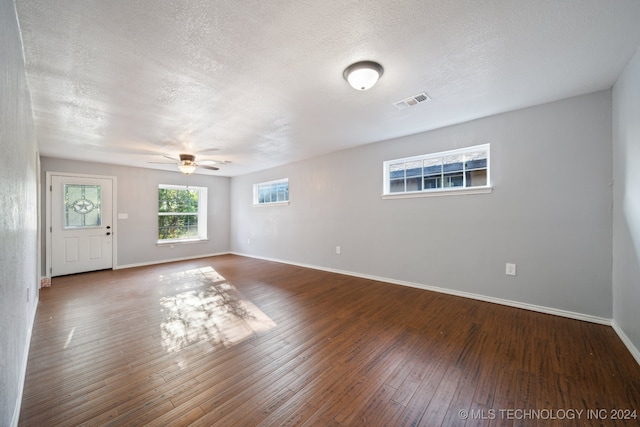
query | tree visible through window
(182,213)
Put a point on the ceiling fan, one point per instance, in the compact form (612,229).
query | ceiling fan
(187,163)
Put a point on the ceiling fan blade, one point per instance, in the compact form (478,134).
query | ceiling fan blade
(214,162)
(213,168)
(165,163)
(171,158)
(207,150)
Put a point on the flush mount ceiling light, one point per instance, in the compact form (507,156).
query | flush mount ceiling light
(363,75)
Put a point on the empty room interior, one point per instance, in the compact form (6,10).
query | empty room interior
(320,213)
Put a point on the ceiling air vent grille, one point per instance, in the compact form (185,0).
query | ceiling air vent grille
(411,101)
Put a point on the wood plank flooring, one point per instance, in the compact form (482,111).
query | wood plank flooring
(235,341)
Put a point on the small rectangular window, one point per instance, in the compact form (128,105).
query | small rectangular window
(448,170)
(272,192)
(182,213)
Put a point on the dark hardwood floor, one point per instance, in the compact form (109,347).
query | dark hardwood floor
(234,341)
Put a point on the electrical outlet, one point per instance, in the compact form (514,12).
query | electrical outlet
(338,250)
(510,269)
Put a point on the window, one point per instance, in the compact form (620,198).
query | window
(182,213)
(272,192)
(449,170)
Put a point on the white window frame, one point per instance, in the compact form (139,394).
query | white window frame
(430,192)
(202,216)
(268,184)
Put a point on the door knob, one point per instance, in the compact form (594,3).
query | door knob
(108,233)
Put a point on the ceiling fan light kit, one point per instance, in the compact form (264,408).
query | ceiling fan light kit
(187,169)
(187,163)
(363,75)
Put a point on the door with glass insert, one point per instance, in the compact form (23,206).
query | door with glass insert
(81,224)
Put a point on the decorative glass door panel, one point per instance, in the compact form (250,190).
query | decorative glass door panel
(83,206)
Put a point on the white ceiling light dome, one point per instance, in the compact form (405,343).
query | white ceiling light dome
(363,75)
(187,168)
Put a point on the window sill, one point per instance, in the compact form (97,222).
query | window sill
(264,205)
(172,243)
(438,193)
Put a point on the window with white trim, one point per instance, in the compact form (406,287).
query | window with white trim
(182,213)
(271,193)
(444,171)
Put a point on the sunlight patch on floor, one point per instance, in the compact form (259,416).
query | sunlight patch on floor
(69,337)
(219,313)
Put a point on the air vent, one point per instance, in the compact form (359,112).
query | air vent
(412,100)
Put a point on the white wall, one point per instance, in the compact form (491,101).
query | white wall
(626,208)
(137,196)
(550,211)
(18,221)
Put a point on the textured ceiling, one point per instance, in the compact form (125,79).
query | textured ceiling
(259,83)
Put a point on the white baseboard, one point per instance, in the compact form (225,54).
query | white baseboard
(627,342)
(516,304)
(23,371)
(164,261)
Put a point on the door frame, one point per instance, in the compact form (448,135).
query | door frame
(48,225)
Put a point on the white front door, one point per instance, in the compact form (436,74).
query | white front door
(81,224)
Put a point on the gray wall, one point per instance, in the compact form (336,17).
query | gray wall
(137,195)
(550,211)
(19,221)
(626,208)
